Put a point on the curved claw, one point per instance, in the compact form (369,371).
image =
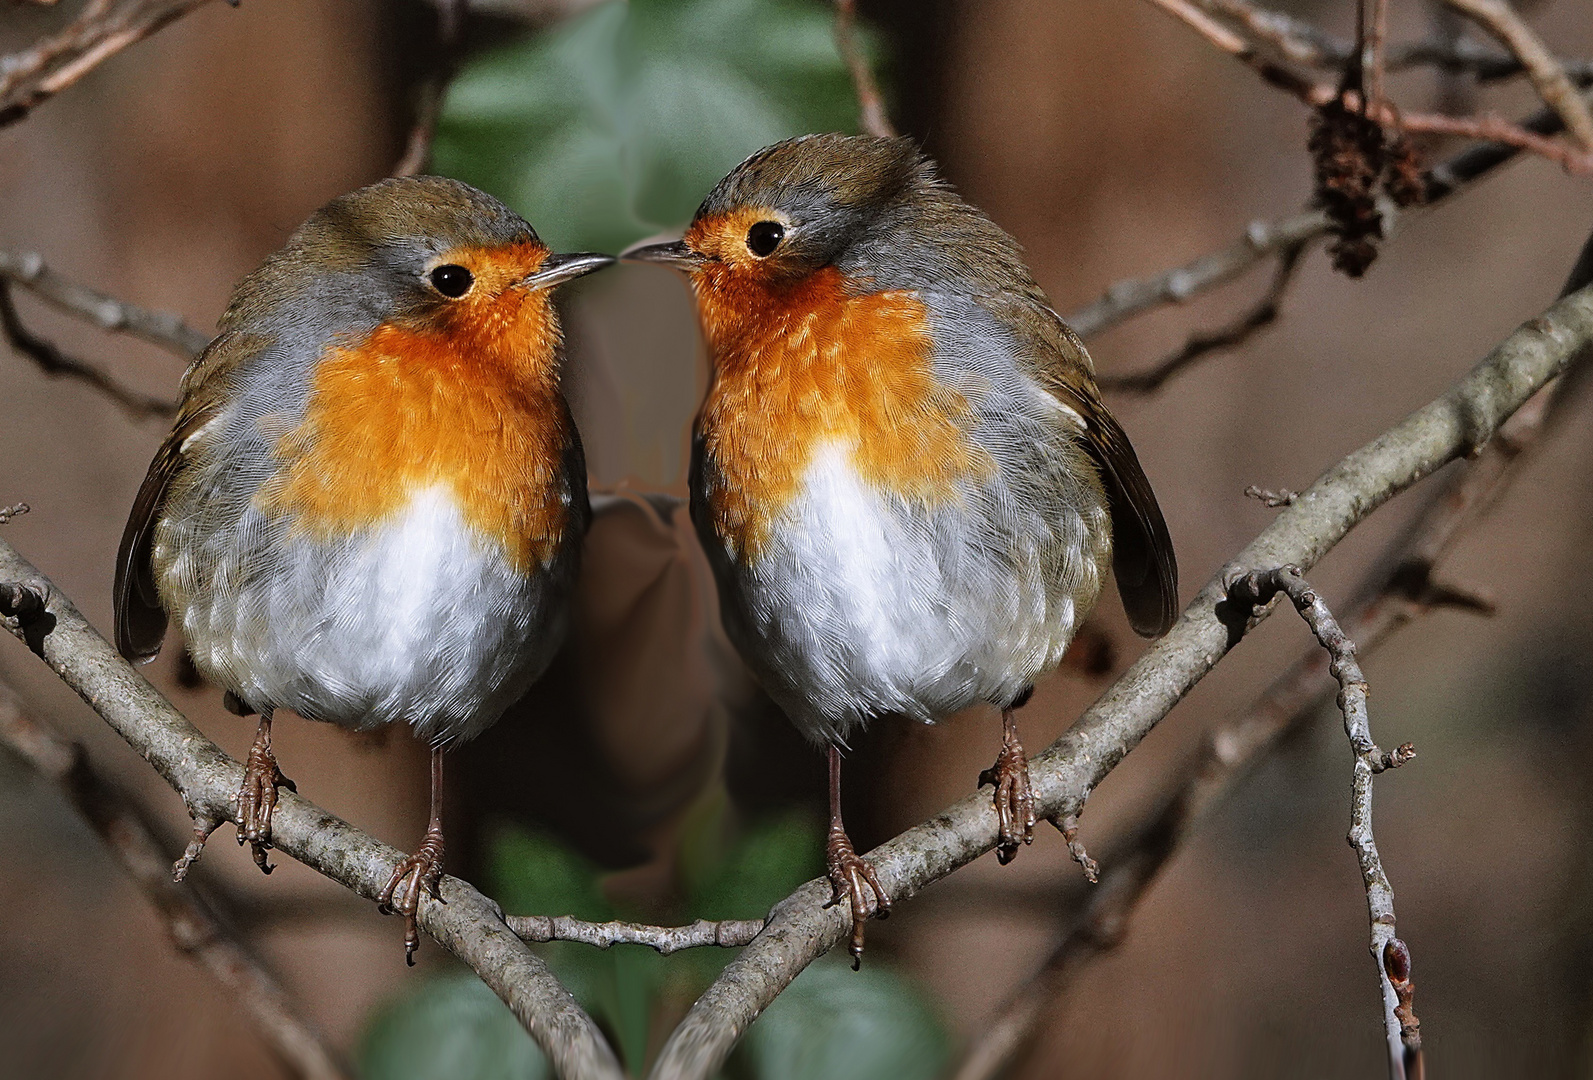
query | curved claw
(414,874)
(1014,798)
(852,877)
(257,798)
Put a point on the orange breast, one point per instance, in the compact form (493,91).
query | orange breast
(802,365)
(478,413)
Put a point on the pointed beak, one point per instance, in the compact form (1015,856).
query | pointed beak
(557,269)
(675,254)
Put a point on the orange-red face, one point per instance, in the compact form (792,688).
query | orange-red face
(804,359)
(460,392)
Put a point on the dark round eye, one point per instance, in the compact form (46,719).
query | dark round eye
(452,280)
(764,237)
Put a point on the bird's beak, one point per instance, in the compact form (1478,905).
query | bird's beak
(557,269)
(675,253)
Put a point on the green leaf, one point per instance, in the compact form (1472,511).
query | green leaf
(615,123)
(770,860)
(836,1024)
(453,1028)
(532,874)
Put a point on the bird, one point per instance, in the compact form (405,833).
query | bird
(370,507)
(903,474)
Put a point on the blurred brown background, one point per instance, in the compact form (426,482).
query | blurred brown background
(1113,143)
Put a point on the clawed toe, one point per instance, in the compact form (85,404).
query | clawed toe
(853,879)
(420,872)
(1014,798)
(257,798)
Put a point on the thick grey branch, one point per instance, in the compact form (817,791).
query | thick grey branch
(193,926)
(469,924)
(731,933)
(800,928)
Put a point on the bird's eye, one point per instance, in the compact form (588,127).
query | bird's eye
(764,237)
(452,280)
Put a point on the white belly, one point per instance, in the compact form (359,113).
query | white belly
(421,619)
(861,605)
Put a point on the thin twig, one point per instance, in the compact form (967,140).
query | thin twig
(871,106)
(1273,499)
(103,29)
(192,923)
(730,933)
(466,923)
(1126,299)
(428,110)
(1374,37)
(1490,128)
(106,312)
(1244,326)
(1256,589)
(1550,79)
(52,361)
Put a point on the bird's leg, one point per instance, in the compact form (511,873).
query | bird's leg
(851,876)
(1014,795)
(419,872)
(257,798)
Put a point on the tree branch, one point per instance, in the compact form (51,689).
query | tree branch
(871,106)
(731,933)
(468,924)
(57,364)
(103,29)
(1553,86)
(1263,313)
(1256,589)
(428,110)
(1261,240)
(106,312)
(194,928)
(801,928)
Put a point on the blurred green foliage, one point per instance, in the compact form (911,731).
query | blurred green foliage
(831,1023)
(613,124)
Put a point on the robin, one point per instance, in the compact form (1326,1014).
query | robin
(903,473)
(370,508)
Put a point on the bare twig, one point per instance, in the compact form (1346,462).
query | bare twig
(1256,589)
(467,924)
(1244,326)
(731,933)
(1225,40)
(106,312)
(12,511)
(428,110)
(103,29)
(801,928)
(871,106)
(1496,129)
(52,361)
(193,926)
(1261,240)
(1553,86)
(1273,499)
(1373,38)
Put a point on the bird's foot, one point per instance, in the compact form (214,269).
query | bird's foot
(852,877)
(257,798)
(415,874)
(1014,797)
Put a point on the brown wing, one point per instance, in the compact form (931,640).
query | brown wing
(140,618)
(1142,551)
